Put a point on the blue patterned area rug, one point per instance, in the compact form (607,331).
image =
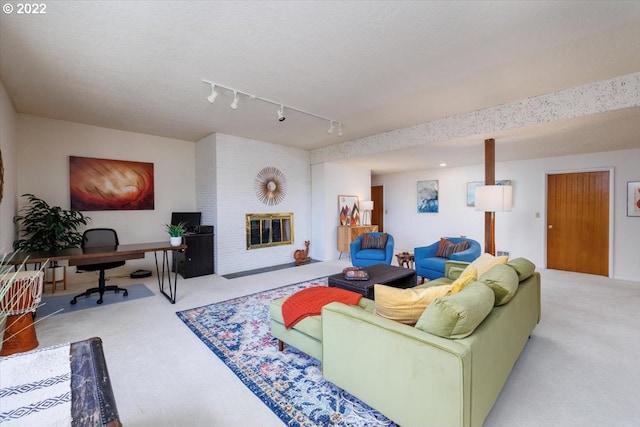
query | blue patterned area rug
(290,382)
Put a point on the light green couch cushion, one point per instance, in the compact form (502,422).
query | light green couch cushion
(311,325)
(458,315)
(503,281)
(523,267)
(436,282)
(455,272)
(367,304)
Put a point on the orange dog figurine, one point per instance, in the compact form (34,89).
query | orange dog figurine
(302,256)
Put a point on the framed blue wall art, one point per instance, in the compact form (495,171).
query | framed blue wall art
(428,196)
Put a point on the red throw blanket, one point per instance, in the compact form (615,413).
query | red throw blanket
(309,302)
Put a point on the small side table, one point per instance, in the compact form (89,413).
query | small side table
(405,259)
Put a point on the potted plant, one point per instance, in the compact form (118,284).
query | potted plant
(176,231)
(47,228)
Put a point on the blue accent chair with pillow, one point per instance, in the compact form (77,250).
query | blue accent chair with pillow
(372,248)
(430,264)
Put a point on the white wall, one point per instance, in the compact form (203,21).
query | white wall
(44,147)
(238,161)
(329,181)
(8,142)
(320,237)
(206,182)
(518,231)
(410,228)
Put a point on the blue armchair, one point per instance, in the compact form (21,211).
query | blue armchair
(371,256)
(429,266)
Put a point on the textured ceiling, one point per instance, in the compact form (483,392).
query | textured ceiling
(375,66)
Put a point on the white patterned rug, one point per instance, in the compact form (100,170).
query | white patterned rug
(35,388)
(290,382)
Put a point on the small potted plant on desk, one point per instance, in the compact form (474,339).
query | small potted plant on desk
(48,228)
(176,231)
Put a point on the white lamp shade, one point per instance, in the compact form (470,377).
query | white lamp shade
(366,205)
(494,198)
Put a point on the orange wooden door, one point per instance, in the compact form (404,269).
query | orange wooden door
(377,216)
(578,222)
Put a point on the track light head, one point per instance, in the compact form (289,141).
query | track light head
(212,98)
(215,91)
(331,128)
(234,104)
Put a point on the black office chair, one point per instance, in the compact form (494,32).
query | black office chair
(95,238)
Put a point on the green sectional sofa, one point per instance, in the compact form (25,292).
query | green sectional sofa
(306,335)
(418,378)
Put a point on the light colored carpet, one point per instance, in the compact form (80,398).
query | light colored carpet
(580,367)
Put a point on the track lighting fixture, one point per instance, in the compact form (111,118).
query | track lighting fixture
(234,104)
(281,117)
(212,98)
(331,127)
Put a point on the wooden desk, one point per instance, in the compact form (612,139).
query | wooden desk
(97,255)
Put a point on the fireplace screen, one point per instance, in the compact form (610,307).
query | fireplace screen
(269,229)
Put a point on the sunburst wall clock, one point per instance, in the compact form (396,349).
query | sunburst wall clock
(271,186)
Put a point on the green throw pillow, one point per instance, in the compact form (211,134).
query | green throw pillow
(503,281)
(523,267)
(455,272)
(458,315)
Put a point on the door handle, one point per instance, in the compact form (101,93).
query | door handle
(550,226)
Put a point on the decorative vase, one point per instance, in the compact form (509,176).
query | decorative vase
(176,241)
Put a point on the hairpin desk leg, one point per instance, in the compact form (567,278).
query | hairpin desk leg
(166,267)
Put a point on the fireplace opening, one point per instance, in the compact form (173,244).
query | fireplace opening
(269,229)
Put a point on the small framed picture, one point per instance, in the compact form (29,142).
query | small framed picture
(633,198)
(347,206)
(428,196)
(471,192)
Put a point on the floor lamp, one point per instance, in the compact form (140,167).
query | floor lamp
(493,198)
(366,206)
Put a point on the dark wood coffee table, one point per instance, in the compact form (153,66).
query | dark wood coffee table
(383,274)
